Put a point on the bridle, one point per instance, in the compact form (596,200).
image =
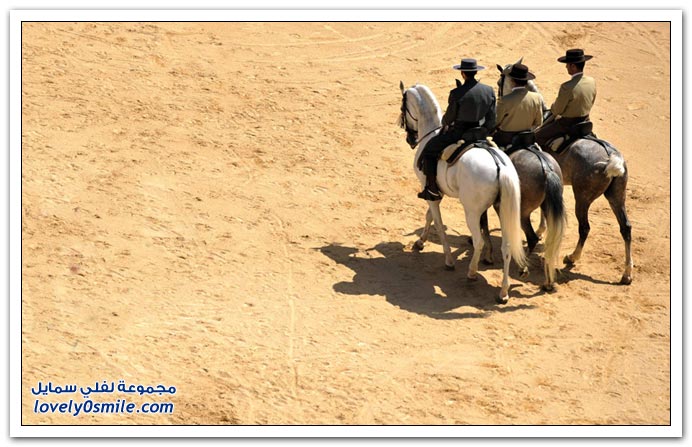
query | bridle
(410,133)
(404,109)
(501,84)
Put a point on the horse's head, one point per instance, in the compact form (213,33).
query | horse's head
(408,119)
(505,87)
(503,84)
(420,113)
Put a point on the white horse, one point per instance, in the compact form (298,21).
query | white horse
(477,180)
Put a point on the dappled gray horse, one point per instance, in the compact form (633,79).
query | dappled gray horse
(593,170)
(540,180)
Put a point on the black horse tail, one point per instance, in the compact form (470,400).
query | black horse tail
(553,208)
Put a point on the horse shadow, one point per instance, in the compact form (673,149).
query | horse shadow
(416,281)
(535,277)
(568,273)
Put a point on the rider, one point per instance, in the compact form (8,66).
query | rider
(520,110)
(574,101)
(470,105)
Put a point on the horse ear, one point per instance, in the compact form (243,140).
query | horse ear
(401,86)
(499,68)
(458,83)
(519,61)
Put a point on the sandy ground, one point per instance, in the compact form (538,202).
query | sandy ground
(229,208)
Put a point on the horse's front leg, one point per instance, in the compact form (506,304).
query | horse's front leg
(434,209)
(420,243)
(531,239)
(487,245)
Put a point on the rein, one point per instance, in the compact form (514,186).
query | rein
(412,117)
(423,137)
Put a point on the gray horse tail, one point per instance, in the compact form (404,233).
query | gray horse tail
(615,166)
(553,208)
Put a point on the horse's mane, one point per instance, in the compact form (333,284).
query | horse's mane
(429,108)
(432,112)
(532,87)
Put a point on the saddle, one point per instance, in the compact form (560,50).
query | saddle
(522,140)
(560,143)
(474,137)
(475,134)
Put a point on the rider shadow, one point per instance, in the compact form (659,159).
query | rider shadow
(416,281)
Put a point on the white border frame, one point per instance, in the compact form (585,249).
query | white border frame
(17,16)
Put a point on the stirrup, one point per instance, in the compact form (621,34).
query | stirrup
(426,194)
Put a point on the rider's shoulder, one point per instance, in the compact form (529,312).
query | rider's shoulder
(457,88)
(588,79)
(534,95)
(484,90)
(486,87)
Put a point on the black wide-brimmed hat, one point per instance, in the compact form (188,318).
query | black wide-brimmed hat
(468,65)
(574,56)
(521,72)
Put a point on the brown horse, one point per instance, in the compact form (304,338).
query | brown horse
(593,170)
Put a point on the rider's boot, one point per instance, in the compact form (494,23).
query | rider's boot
(431,191)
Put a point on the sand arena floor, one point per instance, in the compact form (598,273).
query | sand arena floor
(229,208)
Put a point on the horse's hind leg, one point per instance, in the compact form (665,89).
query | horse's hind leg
(582,212)
(473,222)
(418,245)
(615,194)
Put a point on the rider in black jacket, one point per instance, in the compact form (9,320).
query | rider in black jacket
(471,104)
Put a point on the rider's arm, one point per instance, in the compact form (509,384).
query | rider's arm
(537,115)
(501,113)
(563,99)
(490,117)
(451,113)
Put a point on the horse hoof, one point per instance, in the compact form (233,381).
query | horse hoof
(626,280)
(568,261)
(548,288)
(524,273)
(502,299)
(472,277)
(418,245)
(449,268)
